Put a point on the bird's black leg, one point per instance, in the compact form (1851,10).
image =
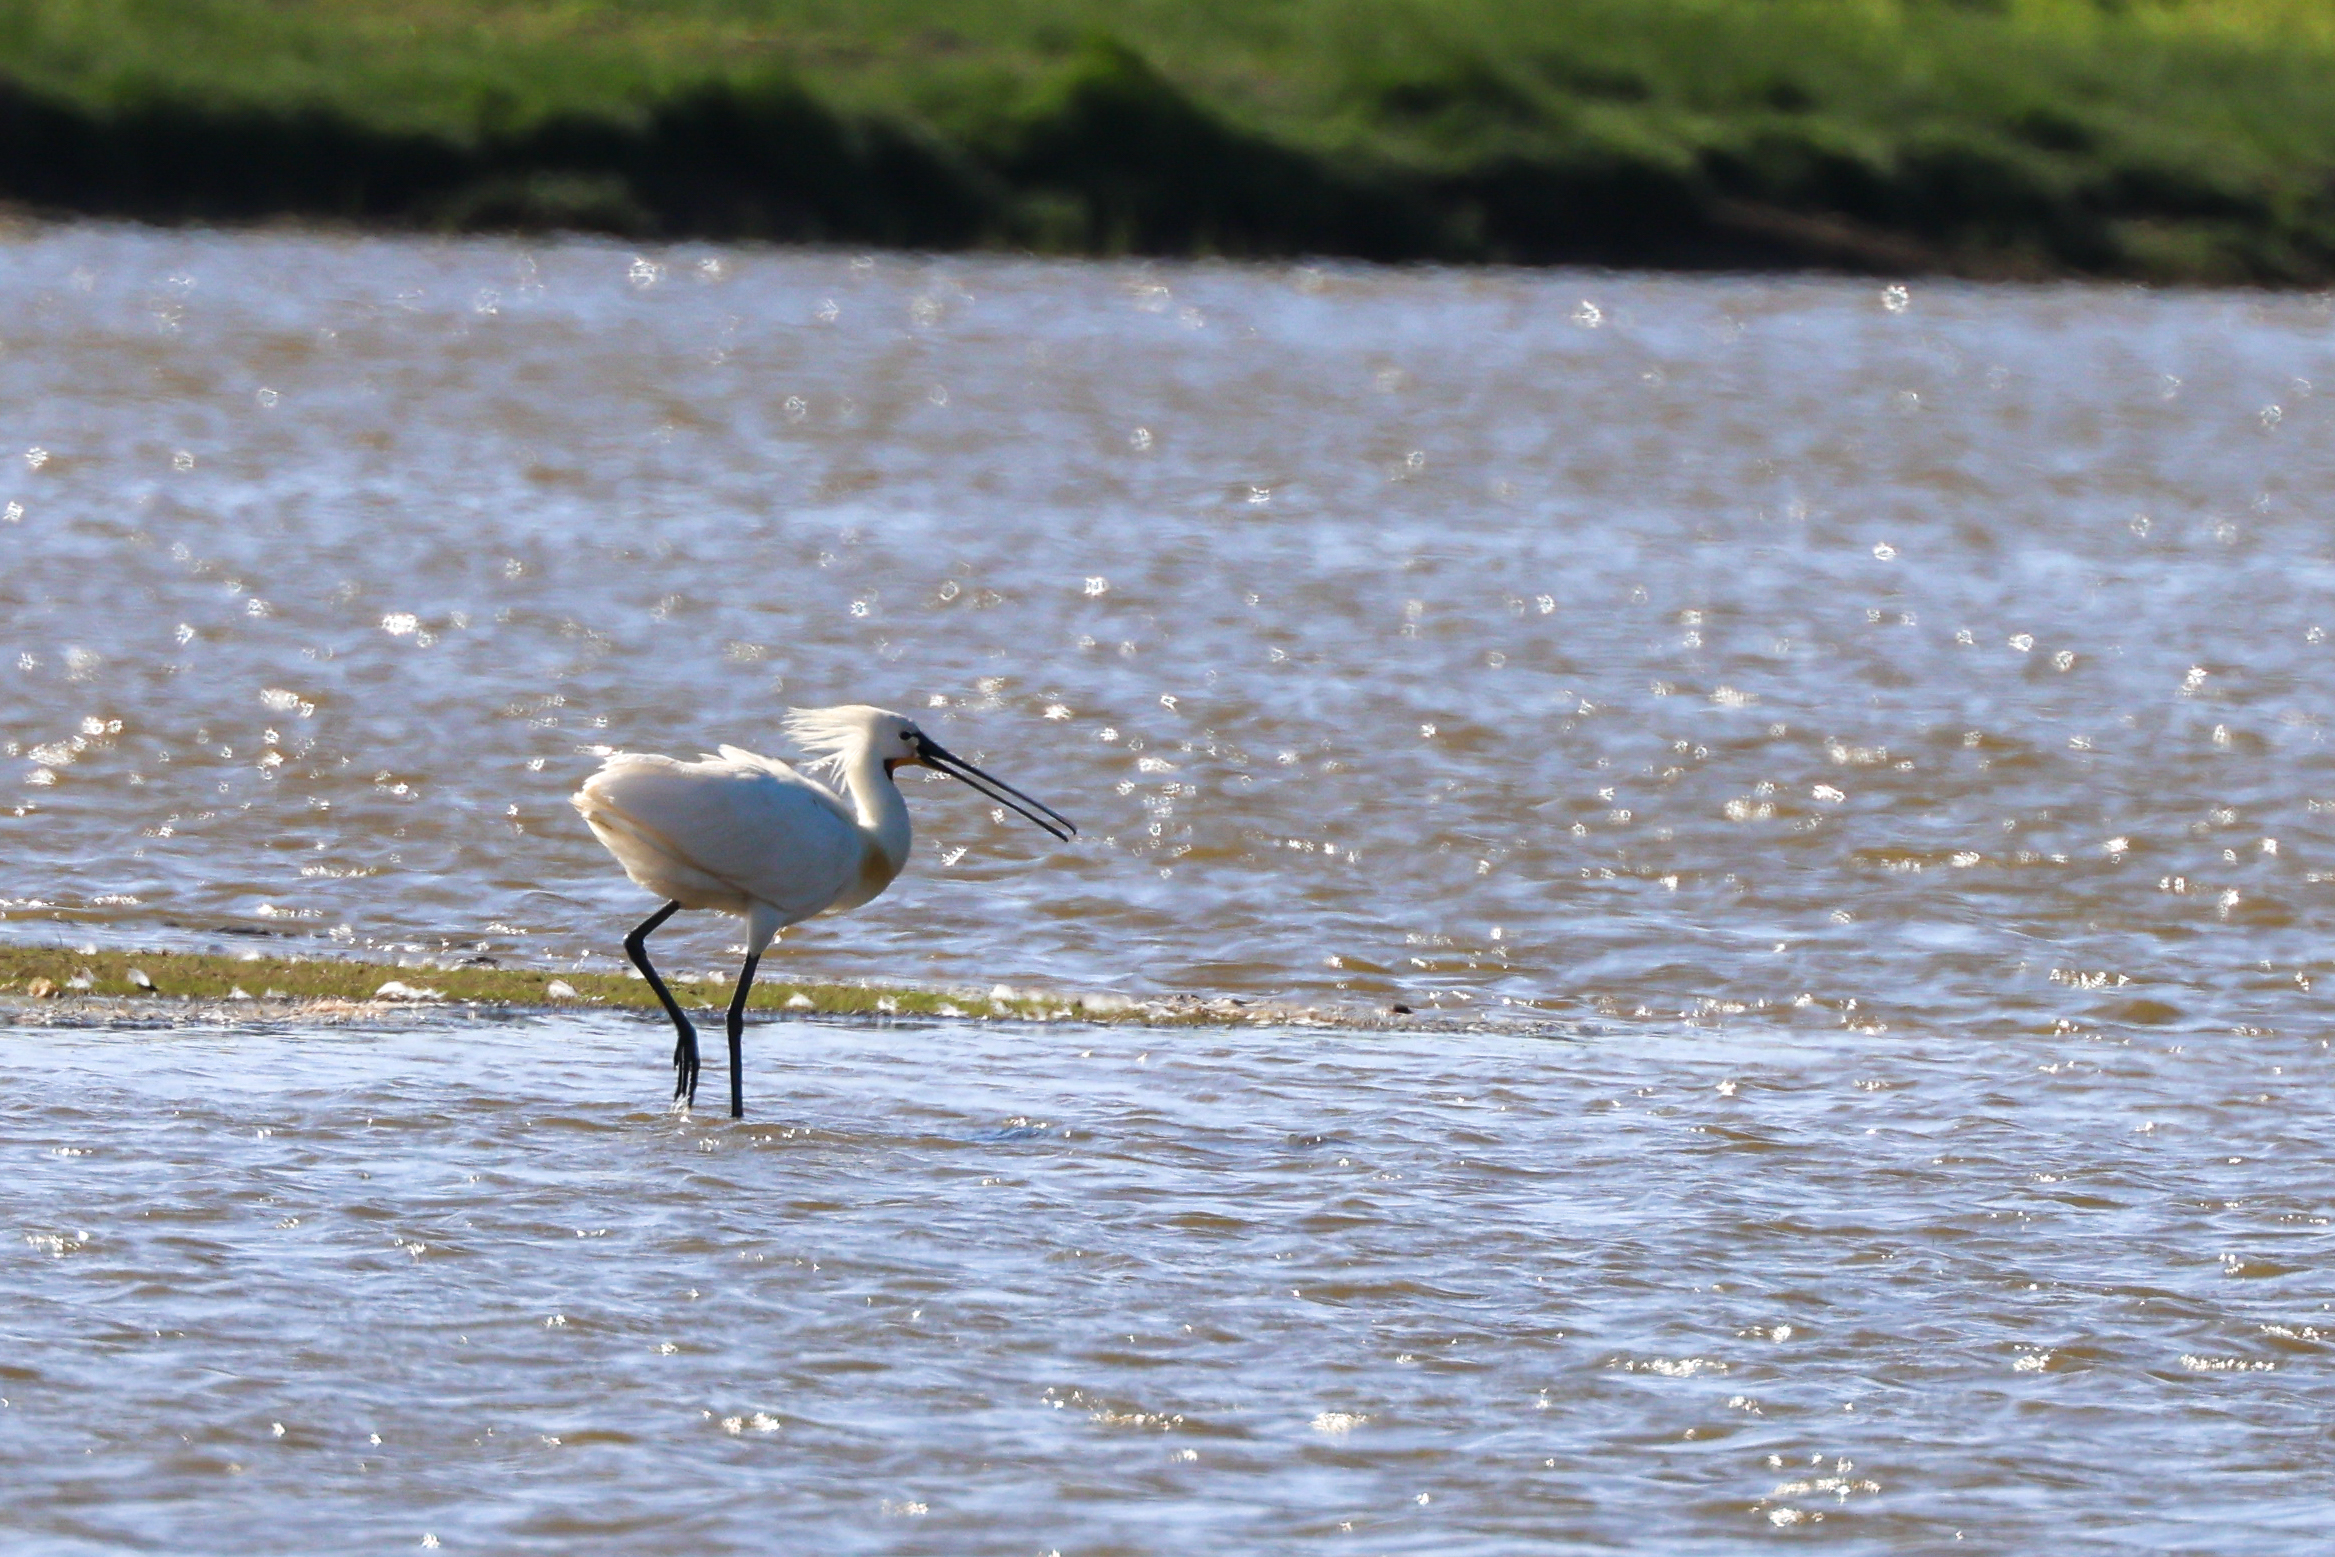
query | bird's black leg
(636,946)
(737,1037)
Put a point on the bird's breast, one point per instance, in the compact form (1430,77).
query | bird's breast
(875,872)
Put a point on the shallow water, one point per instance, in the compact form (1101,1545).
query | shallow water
(1875,738)
(1598,643)
(1012,1289)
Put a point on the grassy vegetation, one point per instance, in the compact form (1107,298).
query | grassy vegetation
(38,973)
(2167,139)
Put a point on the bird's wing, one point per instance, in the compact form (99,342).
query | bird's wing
(745,822)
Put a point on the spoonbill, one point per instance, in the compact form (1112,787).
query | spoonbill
(748,835)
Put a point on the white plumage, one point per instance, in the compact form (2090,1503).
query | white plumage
(748,835)
(741,833)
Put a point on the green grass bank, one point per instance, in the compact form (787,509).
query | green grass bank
(2165,140)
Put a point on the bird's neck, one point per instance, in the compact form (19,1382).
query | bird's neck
(881,809)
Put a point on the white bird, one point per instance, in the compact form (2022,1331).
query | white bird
(749,835)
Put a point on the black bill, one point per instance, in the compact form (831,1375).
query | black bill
(933,755)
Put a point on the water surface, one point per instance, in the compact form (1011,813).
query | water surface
(1011,1289)
(1868,743)
(1594,643)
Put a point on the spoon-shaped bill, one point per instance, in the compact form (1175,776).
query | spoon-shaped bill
(933,755)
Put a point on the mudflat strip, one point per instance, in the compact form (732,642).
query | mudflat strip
(63,986)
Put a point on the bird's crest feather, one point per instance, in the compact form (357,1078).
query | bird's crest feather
(827,736)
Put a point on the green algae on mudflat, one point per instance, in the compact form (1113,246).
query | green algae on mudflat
(55,972)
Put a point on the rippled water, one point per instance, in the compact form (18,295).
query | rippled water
(1876,737)
(1011,1289)
(1592,642)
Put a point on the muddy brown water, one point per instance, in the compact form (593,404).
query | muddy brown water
(1859,752)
